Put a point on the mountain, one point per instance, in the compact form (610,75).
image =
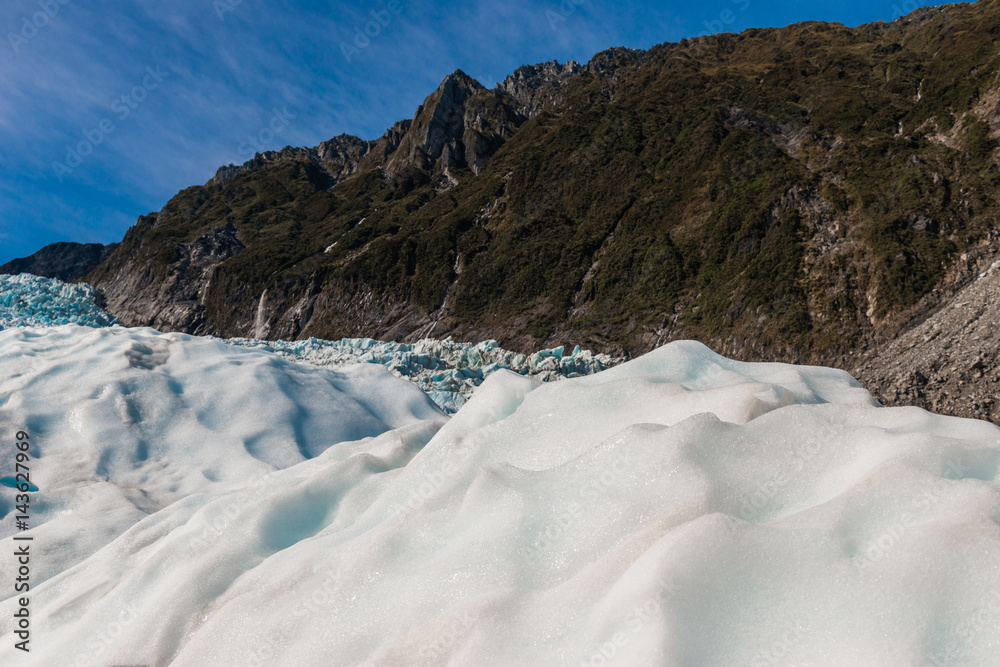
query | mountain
(185,268)
(801,194)
(66,261)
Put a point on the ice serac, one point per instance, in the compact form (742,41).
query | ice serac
(29,300)
(680,509)
(449,371)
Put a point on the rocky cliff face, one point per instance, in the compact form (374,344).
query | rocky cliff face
(532,88)
(946,360)
(797,194)
(460,125)
(170,297)
(66,261)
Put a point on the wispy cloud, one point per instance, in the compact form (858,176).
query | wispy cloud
(228,75)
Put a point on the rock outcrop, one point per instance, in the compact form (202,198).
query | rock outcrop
(66,261)
(170,297)
(948,361)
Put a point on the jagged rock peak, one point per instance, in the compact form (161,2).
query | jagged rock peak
(338,156)
(445,131)
(534,86)
(920,15)
(461,79)
(227,172)
(460,124)
(536,76)
(611,59)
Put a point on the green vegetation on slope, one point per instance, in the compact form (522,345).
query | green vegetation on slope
(779,185)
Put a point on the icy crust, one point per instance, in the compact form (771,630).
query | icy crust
(680,509)
(125,422)
(447,370)
(27,301)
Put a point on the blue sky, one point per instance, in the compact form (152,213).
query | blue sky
(110,107)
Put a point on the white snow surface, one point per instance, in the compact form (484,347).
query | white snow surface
(27,300)
(126,422)
(679,509)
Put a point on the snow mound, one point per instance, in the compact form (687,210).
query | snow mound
(129,421)
(27,300)
(680,509)
(447,370)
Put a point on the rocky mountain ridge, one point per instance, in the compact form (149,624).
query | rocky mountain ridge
(66,261)
(460,125)
(800,194)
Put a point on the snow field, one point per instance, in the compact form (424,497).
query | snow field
(679,509)
(128,421)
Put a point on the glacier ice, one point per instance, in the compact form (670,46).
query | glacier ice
(27,300)
(447,370)
(678,509)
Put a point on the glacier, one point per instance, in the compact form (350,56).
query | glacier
(27,300)
(205,504)
(447,370)
(132,421)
